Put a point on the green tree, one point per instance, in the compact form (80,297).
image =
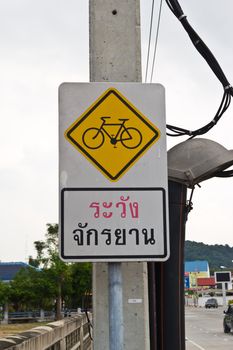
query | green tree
(217,255)
(4,293)
(31,289)
(69,282)
(81,277)
(57,271)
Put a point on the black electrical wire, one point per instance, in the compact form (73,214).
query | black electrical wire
(213,64)
(90,326)
(156,40)
(226,173)
(177,131)
(149,43)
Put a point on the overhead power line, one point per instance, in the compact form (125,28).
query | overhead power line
(213,64)
(156,40)
(206,54)
(149,41)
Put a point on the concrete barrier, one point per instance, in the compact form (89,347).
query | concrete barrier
(72,333)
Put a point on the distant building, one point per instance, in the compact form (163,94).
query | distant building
(206,282)
(194,270)
(8,270)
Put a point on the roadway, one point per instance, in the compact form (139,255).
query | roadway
(204,330)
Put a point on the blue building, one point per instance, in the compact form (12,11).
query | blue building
(196,269)
(8,270)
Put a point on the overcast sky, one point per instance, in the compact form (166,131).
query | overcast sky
(44,43)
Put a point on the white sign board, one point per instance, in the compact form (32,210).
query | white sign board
(113,172)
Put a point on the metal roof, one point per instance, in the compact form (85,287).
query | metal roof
(8,270)
(196,266)
(206,281)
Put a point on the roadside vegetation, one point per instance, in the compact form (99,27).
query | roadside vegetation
(217,255)
(10,329)
(48,283)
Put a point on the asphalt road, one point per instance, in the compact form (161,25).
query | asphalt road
(204,330)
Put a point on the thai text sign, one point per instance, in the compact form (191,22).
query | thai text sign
(113,223)
(113,172)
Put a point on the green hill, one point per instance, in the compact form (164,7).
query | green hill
(217,255)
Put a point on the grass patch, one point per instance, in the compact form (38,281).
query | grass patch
(7,329)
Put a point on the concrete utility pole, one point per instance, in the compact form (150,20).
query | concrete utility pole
(115,55)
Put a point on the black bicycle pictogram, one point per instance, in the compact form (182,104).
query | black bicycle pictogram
(129,137)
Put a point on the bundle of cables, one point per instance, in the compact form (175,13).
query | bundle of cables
(213,64)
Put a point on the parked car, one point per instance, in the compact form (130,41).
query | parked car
(211,303)
(228,319)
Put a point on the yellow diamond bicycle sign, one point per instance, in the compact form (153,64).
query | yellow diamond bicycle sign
(113,134)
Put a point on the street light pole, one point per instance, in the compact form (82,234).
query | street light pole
(166,280)
(189,163)
(224,298)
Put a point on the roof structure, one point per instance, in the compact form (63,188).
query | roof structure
(197,266)
(8,270)
(206,281)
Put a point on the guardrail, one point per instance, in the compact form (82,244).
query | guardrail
(34,314)
(72,333)
(28,316)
